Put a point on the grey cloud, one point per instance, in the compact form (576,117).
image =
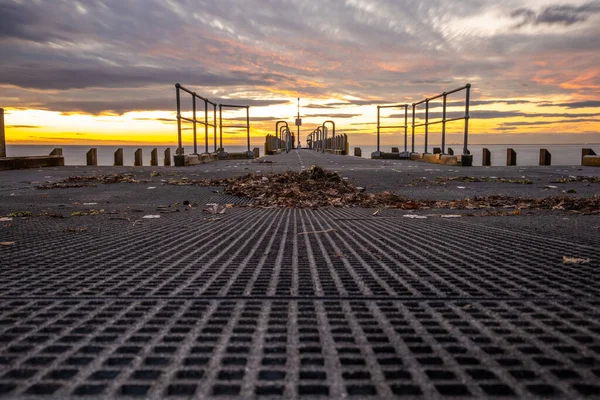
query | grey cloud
(575,104)
(558,14)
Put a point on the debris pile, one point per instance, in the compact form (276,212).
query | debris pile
(86,181)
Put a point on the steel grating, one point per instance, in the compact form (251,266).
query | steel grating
(434,349)
(281,253)
(294,303)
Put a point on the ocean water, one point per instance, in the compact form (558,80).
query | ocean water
(527,154)
(76,155)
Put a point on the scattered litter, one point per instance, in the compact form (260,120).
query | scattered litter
(89,204)
(7,243)
(12,194)
(550,187)
(377,212)
(264,179)
(151,216)
(214,208)
(461,187)
(5,219)
(451,216)
(575,260)
(413,216)
(151,187)
(323,231)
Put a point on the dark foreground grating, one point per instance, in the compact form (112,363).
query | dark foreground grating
(428,349)
(294,303)
(282,253)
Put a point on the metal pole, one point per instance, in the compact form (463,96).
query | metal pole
(426,124)
(221,127)
(248,125)
(215,125)
(406,128)
(466,141)
(413,128)
(2,135)
(180,147)
(298,137)
(378,108)
(194,118)
(444,126)
(206,126)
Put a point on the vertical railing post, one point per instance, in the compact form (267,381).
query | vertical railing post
(444,125)
(180,147)
(466,139)
(413,128)
(406,128)
(378,129)
(206,126)
(2,135)
(194,118)
(215,125)
(426,124)
(221,127)
(248,125)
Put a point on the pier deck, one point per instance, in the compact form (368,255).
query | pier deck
(289,303)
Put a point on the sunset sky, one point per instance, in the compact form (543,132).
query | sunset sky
(103,72)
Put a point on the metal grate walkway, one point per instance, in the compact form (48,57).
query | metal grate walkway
(295,303)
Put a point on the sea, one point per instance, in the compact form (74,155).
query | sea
(527,154)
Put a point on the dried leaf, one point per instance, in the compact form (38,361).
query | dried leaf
(151,216)
(575,260)
(7,243)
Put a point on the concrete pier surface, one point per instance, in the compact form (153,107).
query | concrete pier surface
(132,289)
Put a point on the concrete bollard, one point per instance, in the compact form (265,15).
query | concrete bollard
(545,157)
(154,157)
(118,158)
(357,152)
(437,150)
(167,160)
(511,157)
(587,152)
(486,159)
(256,151)
(138,158)
(56,152)
(395,150)
(91,157)
(450,151)
(2,135)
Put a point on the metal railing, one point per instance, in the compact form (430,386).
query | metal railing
(405,126)
(195,121)
(444,120)
(247,126)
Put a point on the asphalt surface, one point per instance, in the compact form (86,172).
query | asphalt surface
(99,302)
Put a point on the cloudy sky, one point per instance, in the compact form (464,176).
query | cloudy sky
(103,71)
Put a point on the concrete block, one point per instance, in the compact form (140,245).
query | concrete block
(486,159)
(256,152)
(545,157)
(587,152)
(511,157)
(167,160)
(437,150)
(357,152)
(91,157)
(181,160)
(118,157)
(138,158)
(591,161)
(395,150)
(154,157)
(450,151)
(56,152)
